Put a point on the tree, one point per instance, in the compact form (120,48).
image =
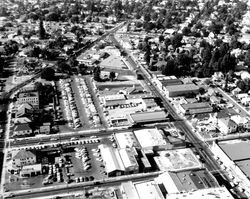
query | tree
(216,27)
(247,58)
(147,56)
(176,40)
(112,76)
(147,17)
(228,63)
(42,33)
(64,67)
(97,73)
(169,68)
(186,31)
(241,84)
(206,55)
(48,74)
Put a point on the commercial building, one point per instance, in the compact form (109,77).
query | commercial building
(126,140)
(108,99)
(23,157)
(210,193)
(232,155)
(180,90)
(163,81)
(31,170)
(114,63)
(29,97)
(112,160)
(148,189)
(128,156)
(196,108)
(177,160)
(128,190)
(119,162)
(185,181)
(147,117)
(151,139)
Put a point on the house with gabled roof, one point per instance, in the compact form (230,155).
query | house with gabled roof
(22,157)
(226,126)
(22,130)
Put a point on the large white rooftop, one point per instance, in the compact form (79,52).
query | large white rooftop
(148,190)
(149,138)
(211,193)
(126,139)
(177,160)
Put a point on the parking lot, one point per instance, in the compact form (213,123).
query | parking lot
(80,107)
(67,164)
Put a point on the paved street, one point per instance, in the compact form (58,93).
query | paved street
(201,147)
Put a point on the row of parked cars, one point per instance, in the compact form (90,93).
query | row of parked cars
(69,104)
(86,99)
(82,153)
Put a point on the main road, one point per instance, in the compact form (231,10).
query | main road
(76,187)
(201,147)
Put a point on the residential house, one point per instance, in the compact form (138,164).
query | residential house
(247,125)
(22,157)
(45,128)
(245,101)
(22,120)
(217,76)
(214,100)
(236,91)
(24,110)
(22,129)
(226,126)
(29,97)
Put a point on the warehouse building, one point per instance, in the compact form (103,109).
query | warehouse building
(147,117)
(180,90)
(151,139)
(196,108)
(119,162)
(185,181)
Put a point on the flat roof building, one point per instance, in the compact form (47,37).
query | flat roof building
(148,190)
(185,181)
(210,193)
(196,108)
(232,149)
(151,139)
(177,160)
(126,139)
(129,191)
(180,90)
(147,117)
(129,160)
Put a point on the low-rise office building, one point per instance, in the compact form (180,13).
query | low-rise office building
(147,117)
(196,108)
(151,139)
(177,160)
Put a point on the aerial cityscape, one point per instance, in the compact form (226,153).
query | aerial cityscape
(125,99)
